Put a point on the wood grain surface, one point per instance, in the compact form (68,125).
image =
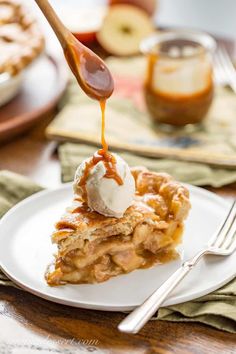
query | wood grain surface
(32,325)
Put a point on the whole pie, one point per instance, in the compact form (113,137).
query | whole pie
(93,248)
(20,38)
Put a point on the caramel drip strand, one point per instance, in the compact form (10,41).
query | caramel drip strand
(103,139)
(101,155)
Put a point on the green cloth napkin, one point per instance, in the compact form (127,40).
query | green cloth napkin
(217,309)
(71,155)
(13,189)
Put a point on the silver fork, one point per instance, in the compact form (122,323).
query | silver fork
(223,243)
(224,70)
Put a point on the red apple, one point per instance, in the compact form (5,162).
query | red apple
(147,5)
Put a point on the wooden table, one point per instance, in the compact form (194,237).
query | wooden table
(31,325)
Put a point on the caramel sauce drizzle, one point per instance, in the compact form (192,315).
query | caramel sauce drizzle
(71,51)
(101,155)
(103,139)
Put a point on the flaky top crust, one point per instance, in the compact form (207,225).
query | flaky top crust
(159,199)
(20,38)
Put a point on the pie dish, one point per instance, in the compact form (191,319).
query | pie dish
(93,248)
(20,38)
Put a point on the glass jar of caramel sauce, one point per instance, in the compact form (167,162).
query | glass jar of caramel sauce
(179,85)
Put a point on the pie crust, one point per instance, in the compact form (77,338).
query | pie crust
(93,248)
(20,38)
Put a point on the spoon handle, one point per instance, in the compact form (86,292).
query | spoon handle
(60,30)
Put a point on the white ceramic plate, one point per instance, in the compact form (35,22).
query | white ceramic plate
(26,251)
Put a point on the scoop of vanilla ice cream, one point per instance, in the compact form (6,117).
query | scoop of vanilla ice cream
(105,195)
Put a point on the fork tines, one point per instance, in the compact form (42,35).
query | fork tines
(225,237)
(224,72)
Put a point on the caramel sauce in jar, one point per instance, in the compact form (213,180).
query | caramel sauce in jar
(179,86)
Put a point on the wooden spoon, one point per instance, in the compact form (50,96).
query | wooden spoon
(90,71)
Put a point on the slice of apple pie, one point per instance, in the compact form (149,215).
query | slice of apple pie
(93,248)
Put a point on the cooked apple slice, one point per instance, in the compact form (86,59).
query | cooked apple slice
(123,29)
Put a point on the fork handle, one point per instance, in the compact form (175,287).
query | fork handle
(137,318)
